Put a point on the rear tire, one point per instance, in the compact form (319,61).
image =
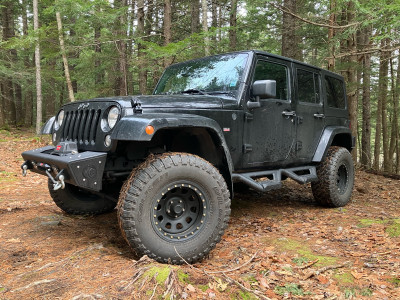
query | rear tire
(335,178)
(174,208)
(76,201)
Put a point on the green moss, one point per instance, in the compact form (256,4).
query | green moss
(392,229)
(7,176)
(304,251)
(183,277)
(300,260)
(369,222)
(366,292)
(291,288)
(349,293)
(395,281)
(2,289)
(203,287)
(246,296)
(162,273)
(344,278)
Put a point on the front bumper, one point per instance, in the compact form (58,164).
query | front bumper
(83,169)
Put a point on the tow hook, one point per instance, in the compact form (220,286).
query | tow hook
(58,181)
(24,168)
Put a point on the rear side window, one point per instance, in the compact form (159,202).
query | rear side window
(335,92)
(307,86)
(268,70)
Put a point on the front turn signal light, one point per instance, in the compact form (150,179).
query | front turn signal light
(149,130)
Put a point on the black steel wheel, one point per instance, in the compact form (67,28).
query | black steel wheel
(174,208)
(335,178)
(76,201)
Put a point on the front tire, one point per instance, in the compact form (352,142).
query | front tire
(76,201)
(174,208)
(335,178)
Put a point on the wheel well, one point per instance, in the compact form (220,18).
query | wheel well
(342,140)
(199,141)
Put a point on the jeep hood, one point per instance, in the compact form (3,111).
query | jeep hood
(179,101)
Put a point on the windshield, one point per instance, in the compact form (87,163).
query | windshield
(210,75)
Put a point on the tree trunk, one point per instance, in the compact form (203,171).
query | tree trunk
(382,92)
(195,13)
(28,96)
(387,164)
(167,28)
(352,78)
(366,103)
(205,27)
(8,85)
(232,24)
(38,70)
(141,62)
(64,56)
(331,35)
(290,47)
(395,120)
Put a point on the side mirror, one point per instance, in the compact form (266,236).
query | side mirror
(262,89)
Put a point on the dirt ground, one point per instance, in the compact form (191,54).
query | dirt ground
(279,245)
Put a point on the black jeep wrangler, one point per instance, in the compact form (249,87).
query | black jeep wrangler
(171,161)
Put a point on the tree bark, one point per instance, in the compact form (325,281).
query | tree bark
(331,35)
(38,69)
(167,28)
(395,120)
(195,13)
(205,27)
(65,60)
(382,92)
(232,24)
(290,47)
(9,109)
(352,78)
(366,103)
(141,62)
(28,96)
(387,164)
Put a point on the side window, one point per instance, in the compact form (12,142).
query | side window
(335,92)
(307,87)
(267,70)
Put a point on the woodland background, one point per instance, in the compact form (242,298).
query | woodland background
(119,47)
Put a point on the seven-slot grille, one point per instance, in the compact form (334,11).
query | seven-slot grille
(81,126)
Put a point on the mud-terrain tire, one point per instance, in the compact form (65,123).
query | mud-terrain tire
(174,208)
(335,178)
(75,201)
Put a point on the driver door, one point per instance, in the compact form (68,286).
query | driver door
(269,133)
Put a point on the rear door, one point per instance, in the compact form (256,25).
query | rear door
(309,110)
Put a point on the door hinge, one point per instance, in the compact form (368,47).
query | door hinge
(248,116)
(247,148)
(299,145)
(299,120)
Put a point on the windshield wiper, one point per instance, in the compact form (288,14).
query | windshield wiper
(193,91)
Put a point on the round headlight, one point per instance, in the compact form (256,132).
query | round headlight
(59,120)
(112,117)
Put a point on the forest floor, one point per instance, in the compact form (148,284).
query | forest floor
(279,245)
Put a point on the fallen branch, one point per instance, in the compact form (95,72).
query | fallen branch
(257,293)
(324,269)
(34,284)
(309,264)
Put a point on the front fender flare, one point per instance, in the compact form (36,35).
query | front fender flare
(133,128)
(327,138)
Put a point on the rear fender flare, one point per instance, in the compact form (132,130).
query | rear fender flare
(328,137)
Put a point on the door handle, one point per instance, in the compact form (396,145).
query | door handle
(319,116)
(287,113)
